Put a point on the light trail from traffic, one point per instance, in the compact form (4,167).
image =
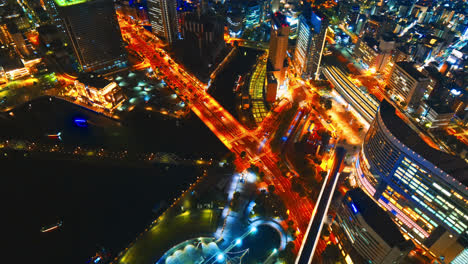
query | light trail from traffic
(233,135)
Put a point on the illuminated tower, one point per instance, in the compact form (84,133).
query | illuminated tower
(94,33)
(163,18)
(312,31)
(278,44)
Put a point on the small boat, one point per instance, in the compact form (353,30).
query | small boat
(46,229)
(55,136)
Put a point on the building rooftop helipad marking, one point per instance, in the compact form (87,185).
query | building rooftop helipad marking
(69,2)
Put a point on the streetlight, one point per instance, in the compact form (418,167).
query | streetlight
(253,229)
(220,257)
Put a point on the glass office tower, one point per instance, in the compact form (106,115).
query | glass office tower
(163,18)
(312,31)
(94,33)
(423,188)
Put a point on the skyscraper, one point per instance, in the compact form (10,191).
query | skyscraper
(367,232)
(94,33)
(423,189)
(278,44)
(163,18)
(311,35)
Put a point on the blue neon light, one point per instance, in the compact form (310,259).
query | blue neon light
(97,259)
(81,122)
(354,208)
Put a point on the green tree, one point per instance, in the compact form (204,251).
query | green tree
(323,174)
(332,253)
(261,175)
(243,154)
(271,188)
(230,158)
(328,104)
(317,160)
(235,201)
(287,255)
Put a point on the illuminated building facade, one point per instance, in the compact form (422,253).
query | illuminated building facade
(278,44)
(278,40)
(94,33)
(407,84)
(374,54)
(424,189)
(435,115)
(367,232)
(312,31)
(11,67)
(253,14)
(163,18)
(5,37)
(98,91)
(271,87)
(235,22)
(51,8)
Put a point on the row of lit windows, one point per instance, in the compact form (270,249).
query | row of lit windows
(430,195)
(395,199)
(425,197)
(382,153)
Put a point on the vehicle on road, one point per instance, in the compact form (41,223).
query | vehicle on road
(46,229)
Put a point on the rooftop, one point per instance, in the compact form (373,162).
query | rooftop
(69,2)
(376,217)
(454,166)
(93,80)
(439,106)
(279,20)
(411,70)
(388,36)
(314,18)
(371,42)
(271,78)
(9,60)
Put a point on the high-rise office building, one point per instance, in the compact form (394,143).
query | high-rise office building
(407,84)
(94,33)
(366,232)
(375,54)
(51,8)
(278,44)
(253,14)
(163,18)
(312,31)
(424,189)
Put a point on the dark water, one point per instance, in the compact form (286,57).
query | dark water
(222,87)
(101,204)
(139,131)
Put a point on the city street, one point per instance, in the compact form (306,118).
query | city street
(236,138)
